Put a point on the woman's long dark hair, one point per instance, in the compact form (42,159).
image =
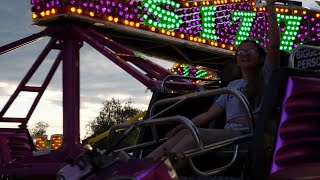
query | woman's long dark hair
(255,86)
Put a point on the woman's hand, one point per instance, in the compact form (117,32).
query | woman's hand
(271,2)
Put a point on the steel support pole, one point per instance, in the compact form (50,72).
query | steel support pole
(71,95)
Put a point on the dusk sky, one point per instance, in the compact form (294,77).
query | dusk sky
(100,78)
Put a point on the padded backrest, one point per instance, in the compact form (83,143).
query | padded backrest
(286,138)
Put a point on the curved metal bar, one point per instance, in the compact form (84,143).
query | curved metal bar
(182,77)
(294,51)
(217,170)
(181,99)
(214,146)
(187,122)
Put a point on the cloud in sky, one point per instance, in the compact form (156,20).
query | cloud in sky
(100,78)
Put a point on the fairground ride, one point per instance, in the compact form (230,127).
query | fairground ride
(202,33)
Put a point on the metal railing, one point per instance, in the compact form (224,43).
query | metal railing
(162,87)
(201,149)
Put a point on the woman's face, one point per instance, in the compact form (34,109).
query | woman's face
(248,56)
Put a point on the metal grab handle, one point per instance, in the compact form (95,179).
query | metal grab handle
(166,120)
(294,51)
(229,142)
(217,170)
(182,77)
(179,100)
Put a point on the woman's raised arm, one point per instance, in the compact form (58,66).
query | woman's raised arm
(273,46)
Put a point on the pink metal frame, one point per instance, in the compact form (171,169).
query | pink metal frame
(69,40)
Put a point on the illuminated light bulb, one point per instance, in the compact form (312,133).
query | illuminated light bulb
(182,36)
(47,12)
(53,11)
(110,18)
(203,41)
(163,31)
(173,34)
(168,33)
(212,43)
(34,16)
(304,12)
(126,22)
(231,48)
(318,15)
(281,10)
(286,10)
(195,39)
(116,20)
(295,11)
(187,4)
(73,9)
(277,9)
(131,23)
(42,13)
(253,3)
(137,25)
(195,3)
(223,45)
(79,11)
(216,44)
(153,28)
(191,38)
(91,14)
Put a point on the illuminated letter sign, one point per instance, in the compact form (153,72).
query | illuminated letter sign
(290,31)
(162,18)
(214,23)
(245,26)
(208,23)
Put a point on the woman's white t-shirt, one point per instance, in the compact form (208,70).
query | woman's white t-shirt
(232,105)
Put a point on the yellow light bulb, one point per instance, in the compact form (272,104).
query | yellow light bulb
(79,11)
(34,16)
(73,9)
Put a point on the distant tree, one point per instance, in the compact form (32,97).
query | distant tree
(113,112)
(40,128)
